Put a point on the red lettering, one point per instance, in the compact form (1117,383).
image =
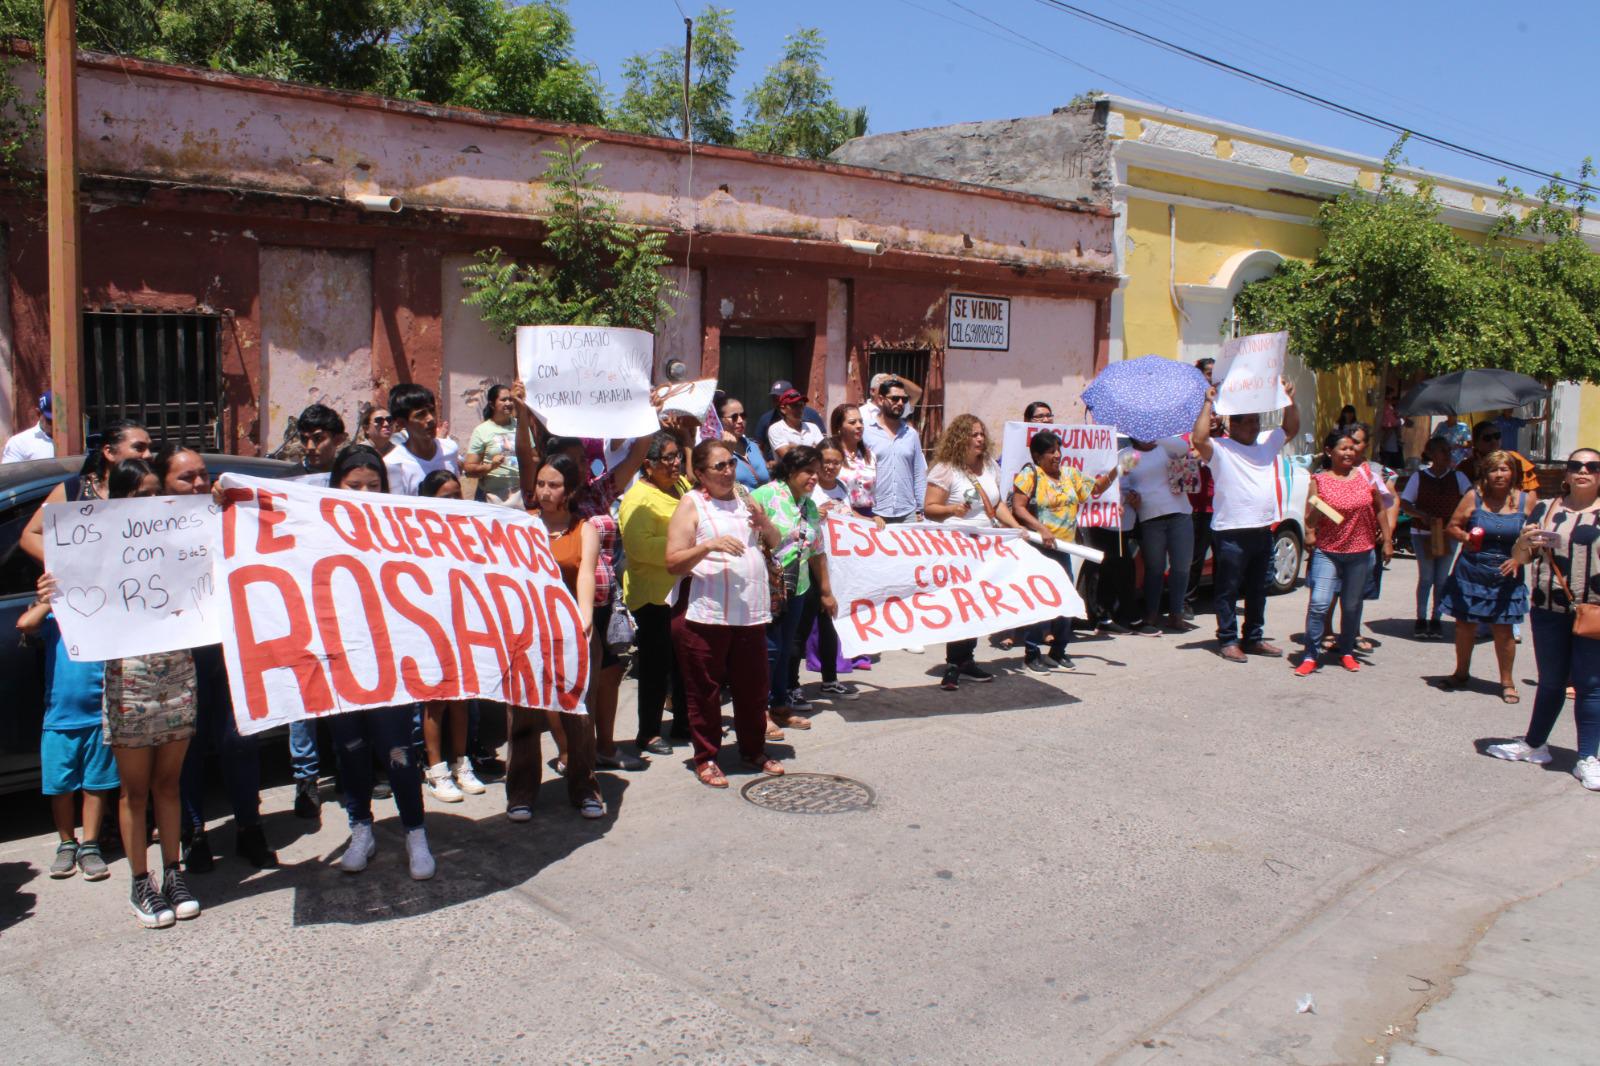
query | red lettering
(1045,590)
(878,543)
(345,682)
(268,516)
(966,605)
(491,536)
(917,576)
(356,536)
(459,522)
(542,620)
(403,515)
(1002,549)
(438,534)
(864,625)
(1027,604)
(461,587)
(449,684)
(891,607)
(292,651)
(230,516)
(557,597)
(994,596)
(396,546)
(518,685)
(934,614)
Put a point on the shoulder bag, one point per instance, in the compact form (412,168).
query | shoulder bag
(1585,616)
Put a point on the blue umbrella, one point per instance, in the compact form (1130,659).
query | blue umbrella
(1147,398)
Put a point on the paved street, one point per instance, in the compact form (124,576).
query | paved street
(1149,861)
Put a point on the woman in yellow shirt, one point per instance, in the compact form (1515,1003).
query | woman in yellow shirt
(646,510)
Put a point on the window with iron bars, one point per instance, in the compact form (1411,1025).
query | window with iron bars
(912,366)
(160,368)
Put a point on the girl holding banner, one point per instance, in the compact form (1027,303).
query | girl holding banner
(357,734)
(859,473)
(964,490)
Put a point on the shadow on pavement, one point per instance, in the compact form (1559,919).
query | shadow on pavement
(1562,760)
(15,904)
(1011,690)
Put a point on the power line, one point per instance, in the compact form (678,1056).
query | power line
(1309,97)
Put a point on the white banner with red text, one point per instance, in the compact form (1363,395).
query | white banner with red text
(338,601)
(1091,450)
(928,582)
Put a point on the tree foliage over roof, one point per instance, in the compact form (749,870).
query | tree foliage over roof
(1395,286)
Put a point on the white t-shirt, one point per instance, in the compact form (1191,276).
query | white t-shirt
(28,445)
(958,487)
(837,494)
(1245,476)
(779,435)
(1151,481)
(406,471)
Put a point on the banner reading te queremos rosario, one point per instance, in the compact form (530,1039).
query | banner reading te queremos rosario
(927,583)
(339,601)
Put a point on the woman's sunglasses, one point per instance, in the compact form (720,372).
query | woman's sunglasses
(722,467)
(381,420)
(1591,466)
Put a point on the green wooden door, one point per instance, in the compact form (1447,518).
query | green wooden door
(749,366)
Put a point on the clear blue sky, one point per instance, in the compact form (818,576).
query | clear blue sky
(1514,84)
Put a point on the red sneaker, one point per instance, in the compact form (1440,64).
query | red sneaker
(1307,667)
(1349,663)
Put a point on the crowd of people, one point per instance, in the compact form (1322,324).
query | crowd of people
(699,549)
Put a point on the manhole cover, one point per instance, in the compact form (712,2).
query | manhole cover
(809,794)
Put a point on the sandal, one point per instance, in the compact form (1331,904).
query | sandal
(710,775)
(792,721)
(774,733)
(770,767)
(1364,646)
(1452,683)
(1508,694)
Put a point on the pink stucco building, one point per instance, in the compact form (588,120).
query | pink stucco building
(231,277)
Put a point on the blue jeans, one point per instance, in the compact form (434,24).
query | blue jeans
(1564,659)
(1243,565)
(780,647)
(1432,574)
(1168,545)
(217,732)
(303,749)
(1341,575)
(356,735)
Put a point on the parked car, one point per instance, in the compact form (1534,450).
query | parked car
(23,487)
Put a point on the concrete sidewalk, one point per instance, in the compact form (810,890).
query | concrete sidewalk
(1528,991)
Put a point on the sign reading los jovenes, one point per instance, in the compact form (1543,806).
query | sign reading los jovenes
(982,322)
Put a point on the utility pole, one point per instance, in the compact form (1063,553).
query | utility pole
(61,212)
(688,54)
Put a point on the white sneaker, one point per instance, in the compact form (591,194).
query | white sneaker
(466,779)
(915,649)
(359,850)
(1519,751)
(422,864)
(520,814)
(441,785)
(1588,773)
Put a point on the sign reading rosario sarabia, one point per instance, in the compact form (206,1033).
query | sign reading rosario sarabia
(588,381)
(340,601)
(982,322)
(926,583)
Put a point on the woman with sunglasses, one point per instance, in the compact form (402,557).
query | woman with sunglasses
(1560,542)
(749,465)
(647,510)
(376,430)
(1486,586)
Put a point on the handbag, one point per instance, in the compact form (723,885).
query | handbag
(621,628)
(1585,616)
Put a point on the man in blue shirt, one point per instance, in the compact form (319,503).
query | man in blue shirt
(897,450)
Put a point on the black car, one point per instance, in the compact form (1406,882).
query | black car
(23,487)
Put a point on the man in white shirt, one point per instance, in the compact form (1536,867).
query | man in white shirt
(36,443)
(415,410)
(1245,509)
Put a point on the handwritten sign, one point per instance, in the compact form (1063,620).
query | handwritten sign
(691,398)
(1091,450)
(336,601)
(1251,371)
(588,381)
(981,322)
(926,582)
(133,576)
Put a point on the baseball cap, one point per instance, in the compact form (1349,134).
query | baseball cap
(46,403)
(791,396)
(780,387)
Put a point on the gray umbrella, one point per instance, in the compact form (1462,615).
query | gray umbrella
(1472,390)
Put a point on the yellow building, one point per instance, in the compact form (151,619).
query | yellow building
(1203,207)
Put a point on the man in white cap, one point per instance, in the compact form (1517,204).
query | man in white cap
(36,443)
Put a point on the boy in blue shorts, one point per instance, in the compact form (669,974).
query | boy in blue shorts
(73,756)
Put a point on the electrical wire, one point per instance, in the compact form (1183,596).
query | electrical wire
(1309,97)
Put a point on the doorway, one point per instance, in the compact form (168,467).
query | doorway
(747,367)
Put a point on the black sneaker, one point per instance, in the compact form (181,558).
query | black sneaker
(952,677)
(1111,625)
(1419,631)
(1062,661)
(1146,629)
(307,803)
(178,896)
(250,844)
(973,670)
(150,906)
(1034,662)
(197,856)
(381,789)
(1436,629)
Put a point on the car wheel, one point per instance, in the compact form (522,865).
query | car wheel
(1285,560)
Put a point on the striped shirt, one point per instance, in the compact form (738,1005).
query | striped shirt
(1580,532)
(724,589)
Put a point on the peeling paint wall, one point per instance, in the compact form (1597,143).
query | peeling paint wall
(316,334)
(474,357)
(678,334)
(1051,359)
(837,374)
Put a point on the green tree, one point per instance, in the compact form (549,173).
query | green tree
(792,111)
(483,53)
(1394,287)
(652,95)
(603,272)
